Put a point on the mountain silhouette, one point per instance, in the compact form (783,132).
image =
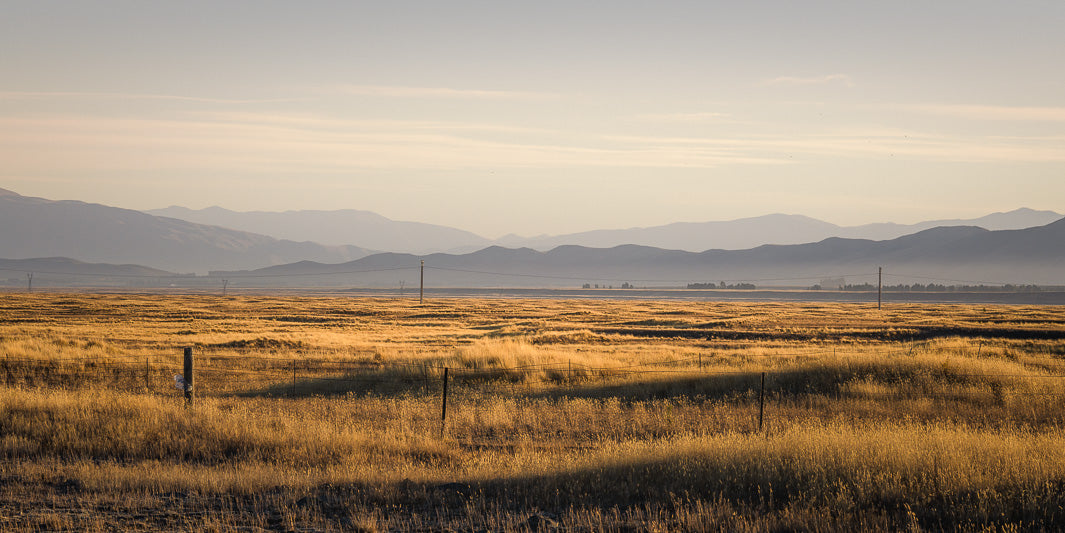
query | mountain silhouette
(93,233)
(341,227)
(370,230)
(962,254)
(36,227)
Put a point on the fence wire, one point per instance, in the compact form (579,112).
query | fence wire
(222,375)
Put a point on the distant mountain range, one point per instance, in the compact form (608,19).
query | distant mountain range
(370,230)
(342,227)
(65,265)
(945,255)
(747,233)
(126,244)
(35,227)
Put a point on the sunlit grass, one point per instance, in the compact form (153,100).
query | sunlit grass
(606,414)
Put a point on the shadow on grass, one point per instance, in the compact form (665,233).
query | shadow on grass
(398,383)
(696,385)
(387,382)
(904,334)
(678,492)
(683,491)
(736,386)
(915,379)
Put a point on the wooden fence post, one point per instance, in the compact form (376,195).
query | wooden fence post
(443,406)
(147,375)
(761,402)
(188,376)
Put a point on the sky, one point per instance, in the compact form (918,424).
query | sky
(539,117)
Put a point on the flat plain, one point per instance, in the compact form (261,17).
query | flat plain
(327,413)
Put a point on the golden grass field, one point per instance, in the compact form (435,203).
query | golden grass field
(324,413)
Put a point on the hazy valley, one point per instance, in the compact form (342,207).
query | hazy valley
(75,243)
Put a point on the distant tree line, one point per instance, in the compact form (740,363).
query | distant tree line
(625,285)
(722,285)
(935,287)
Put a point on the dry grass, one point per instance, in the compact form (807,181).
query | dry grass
(590,415)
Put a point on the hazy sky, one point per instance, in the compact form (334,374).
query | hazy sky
(539,117)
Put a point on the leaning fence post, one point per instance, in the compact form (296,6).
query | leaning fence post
(188,376)
(443,405)
(761,402)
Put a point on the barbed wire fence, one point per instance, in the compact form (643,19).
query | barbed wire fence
(300,376)
(40,278)
(447,385)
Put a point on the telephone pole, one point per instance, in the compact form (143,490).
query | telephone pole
(225,283)
(29,281)
(421,290)
(879,286)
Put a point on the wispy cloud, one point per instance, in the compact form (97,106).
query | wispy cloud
(300,143)
(389,91)
(876,143)
(683,117)
(843,79)
(308,144)
(45,95)
(986,112)
(309,121)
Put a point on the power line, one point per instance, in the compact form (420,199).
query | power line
(308,274)
(99,275)
(949,279)
(208,277)
(231,276)
(586,278)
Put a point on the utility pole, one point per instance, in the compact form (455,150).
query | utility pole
(225,283)
(421,291)
(879,286)
(187,376)
(761,402)
(29,281)
(443,406)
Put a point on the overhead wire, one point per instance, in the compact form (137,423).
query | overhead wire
(912,276)
(251,275)
(207,277)
(647,280)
